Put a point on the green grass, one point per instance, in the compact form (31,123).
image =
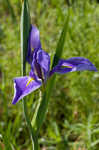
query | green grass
(72,121)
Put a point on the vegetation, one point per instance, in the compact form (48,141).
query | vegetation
(72,121)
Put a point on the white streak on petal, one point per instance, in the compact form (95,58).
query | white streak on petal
(74,69)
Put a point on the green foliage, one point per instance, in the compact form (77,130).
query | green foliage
(72,121)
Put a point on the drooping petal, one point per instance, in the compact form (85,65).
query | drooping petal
(33,42)
(73,64)
(24,86)
(43,59)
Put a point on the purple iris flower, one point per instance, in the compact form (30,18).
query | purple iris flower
(40,67)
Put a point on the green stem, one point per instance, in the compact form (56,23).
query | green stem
(40,112)
(36,111)
(33,134)
(42,107)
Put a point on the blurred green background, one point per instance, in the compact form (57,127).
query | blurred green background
(72,121)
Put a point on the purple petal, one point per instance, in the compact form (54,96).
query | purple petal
(24,86)
(73,64)
(36,69)
(33,42)
(43,59)
(40,64)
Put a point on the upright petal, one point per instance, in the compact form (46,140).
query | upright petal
(36,69)
(24,86)
(33,42)
(73,64)
(43,59)
(35,38)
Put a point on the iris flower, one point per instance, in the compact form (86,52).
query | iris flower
(40,67)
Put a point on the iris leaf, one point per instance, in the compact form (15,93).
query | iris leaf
(40,114)
(59,51)
(60,44)
(25,27)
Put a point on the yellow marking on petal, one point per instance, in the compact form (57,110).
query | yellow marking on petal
(32,48)
(66,66)
(29,81)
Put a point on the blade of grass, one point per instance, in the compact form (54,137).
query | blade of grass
(10,8)
(93,144)
(0,147)
(6,142)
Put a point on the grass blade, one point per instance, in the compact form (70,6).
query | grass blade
(8,5)
(6,142)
